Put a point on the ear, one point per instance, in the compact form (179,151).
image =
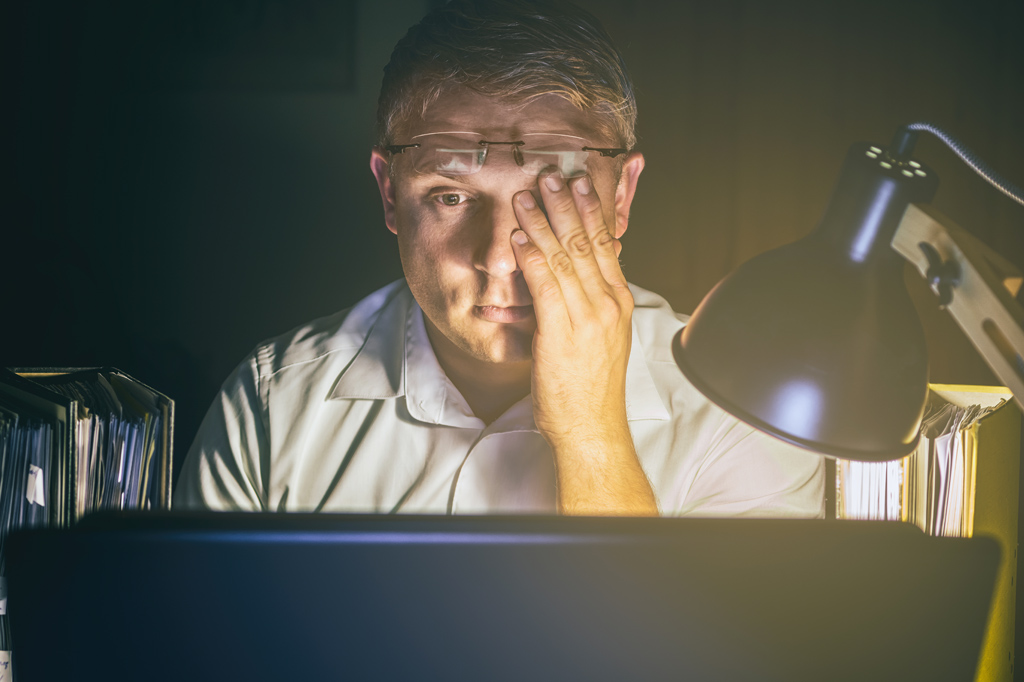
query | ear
(626,190)
(379,165)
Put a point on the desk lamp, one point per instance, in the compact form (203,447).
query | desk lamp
(817,342)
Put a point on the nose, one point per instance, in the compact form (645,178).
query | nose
(493,252)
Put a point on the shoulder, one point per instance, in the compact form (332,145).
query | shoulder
(331,339)
(656,323)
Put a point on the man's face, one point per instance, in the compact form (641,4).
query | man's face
(454,230)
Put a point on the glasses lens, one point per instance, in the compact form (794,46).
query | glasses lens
(571,163)
(561,151)
(447,155)
(456,161)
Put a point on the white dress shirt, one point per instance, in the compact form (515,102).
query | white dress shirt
(353,413)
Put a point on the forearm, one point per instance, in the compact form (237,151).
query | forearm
(602,477)
(569,258)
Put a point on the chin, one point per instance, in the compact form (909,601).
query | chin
(511,357)
(509,346)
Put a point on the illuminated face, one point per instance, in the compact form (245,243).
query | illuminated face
(454,227)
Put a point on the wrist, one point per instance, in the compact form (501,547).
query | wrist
(592,441)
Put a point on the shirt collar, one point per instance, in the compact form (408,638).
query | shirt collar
(397,360)
(377,369)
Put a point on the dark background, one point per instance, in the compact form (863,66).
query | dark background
(185,179)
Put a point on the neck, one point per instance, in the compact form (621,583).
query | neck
(490,388)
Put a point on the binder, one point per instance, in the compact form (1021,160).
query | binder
(26,398)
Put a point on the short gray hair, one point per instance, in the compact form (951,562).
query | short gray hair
(513,50)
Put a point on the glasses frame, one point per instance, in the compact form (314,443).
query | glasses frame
(517,154)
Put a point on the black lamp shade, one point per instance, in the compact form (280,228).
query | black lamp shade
(817,342)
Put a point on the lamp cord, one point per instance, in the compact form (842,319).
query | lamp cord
(906,136)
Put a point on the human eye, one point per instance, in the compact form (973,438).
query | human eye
(449,198)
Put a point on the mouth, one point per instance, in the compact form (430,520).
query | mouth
(506,315)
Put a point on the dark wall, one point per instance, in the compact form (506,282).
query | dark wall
(173,204)
(190,178)
(747,109)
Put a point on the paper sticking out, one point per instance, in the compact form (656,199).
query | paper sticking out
(933,487)
(5,666)
(34,491)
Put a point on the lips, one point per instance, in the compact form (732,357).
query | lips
(506,314)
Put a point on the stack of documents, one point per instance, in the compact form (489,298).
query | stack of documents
(77,441)
(119,427)
(933,487)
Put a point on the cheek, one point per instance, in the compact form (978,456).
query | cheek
(435,231)
(434,249)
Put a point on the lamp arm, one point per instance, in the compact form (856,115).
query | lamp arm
(983,285)
(906,137)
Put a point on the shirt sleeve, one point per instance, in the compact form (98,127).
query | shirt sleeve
(751,474)
(226,466)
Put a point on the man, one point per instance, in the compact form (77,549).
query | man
(513,369)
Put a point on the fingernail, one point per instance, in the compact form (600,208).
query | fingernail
(526,199)
(519,237)
(554,182)
(583,185)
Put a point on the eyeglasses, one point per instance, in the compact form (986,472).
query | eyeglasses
(463,153)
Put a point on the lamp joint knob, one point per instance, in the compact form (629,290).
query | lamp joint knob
(941,275)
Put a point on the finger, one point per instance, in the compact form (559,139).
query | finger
(606,247)
(567,243)
(536,226)
(567,223)
(549,303)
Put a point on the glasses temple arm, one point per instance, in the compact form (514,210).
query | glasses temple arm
(606,151)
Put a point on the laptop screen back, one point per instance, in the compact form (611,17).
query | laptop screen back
(274,597)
